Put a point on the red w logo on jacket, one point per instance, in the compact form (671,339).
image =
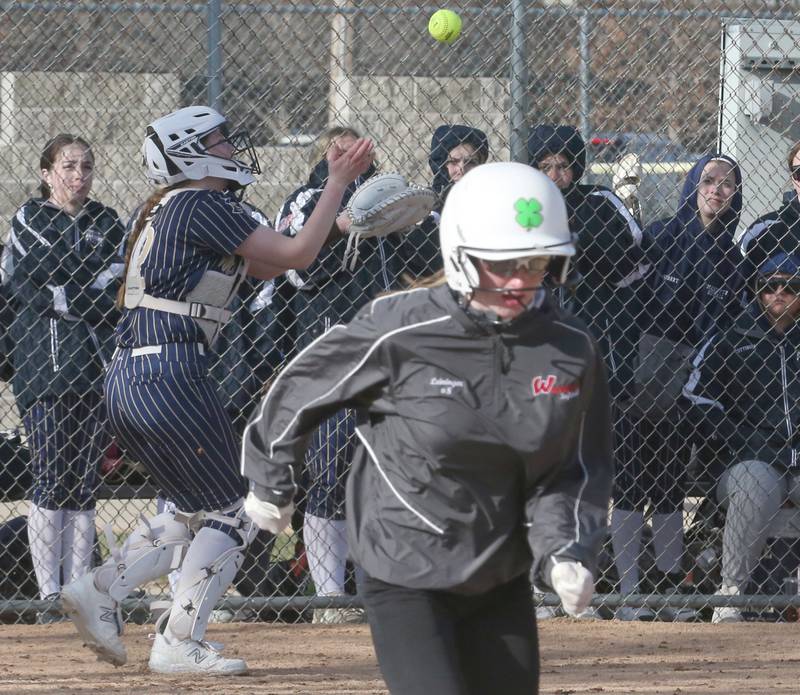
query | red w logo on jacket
(543,384)
(547,385)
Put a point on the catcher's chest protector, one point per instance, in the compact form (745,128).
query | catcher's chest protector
(205,303)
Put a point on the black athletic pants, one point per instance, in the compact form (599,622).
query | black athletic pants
(448,644)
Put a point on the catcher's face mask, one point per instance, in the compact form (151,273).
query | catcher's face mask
(175,148)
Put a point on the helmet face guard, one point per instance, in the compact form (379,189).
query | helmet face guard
(243,145)
(173,150)
(500,211)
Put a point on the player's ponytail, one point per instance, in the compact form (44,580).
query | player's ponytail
(141,220)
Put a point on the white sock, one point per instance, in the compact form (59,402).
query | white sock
(208,545)
(326,549)
(44,539)
(77,543)
(626,539)
(668,540)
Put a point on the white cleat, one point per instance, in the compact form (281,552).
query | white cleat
(97,618)
(191,656)
(339,616)
(591,613)
(727,614)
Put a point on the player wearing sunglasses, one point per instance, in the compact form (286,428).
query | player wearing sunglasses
(745,388)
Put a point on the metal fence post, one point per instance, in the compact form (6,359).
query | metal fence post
(214,17)
(518,129)
(585,74)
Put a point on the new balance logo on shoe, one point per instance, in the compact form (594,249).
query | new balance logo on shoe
(108,615)
(198,655)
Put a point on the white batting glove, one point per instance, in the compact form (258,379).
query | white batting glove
(574,585)
(268,516)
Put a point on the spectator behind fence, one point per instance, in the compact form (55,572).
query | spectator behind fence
(609,264)
(693,291)
(62,264)
(777,229)
(308,304)
(193,242)
(484,444)
(610,261)
(455,150)
(745,389)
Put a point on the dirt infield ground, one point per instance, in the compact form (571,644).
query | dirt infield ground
(610,658)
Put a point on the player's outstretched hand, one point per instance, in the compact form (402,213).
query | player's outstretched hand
(267,516)
(344,166)
(574,585)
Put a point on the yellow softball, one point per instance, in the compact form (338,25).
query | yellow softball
(444,26)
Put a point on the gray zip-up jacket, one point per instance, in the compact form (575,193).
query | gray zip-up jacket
(478,447)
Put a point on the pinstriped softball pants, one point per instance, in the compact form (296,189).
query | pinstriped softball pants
(166,413)
(67,436)
(652,460)
(327,463)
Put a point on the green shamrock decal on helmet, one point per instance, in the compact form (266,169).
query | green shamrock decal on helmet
(529,212)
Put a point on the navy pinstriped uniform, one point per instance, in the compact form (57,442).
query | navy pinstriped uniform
(161,404)
(67,438)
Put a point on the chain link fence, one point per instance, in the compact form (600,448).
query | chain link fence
(651,88)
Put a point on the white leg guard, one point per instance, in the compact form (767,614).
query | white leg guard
(153,549)
(211,563)
(44,540)
(163,505)
(77,544)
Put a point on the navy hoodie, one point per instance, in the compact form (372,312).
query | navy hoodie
(444,139)
(697,282)
(777,230)
(610,262)
(563,139)
(420,250)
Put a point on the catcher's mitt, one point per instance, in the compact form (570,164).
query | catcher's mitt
(385,204)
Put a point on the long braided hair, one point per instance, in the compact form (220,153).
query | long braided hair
(144,212)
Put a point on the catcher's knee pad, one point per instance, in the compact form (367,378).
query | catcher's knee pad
(155,548)
(198,596)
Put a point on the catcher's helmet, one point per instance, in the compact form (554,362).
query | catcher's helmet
(499,211)
(173,151)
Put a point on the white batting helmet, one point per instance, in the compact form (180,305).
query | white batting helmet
(500,211)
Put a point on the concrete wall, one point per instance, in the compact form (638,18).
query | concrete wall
(399,112)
